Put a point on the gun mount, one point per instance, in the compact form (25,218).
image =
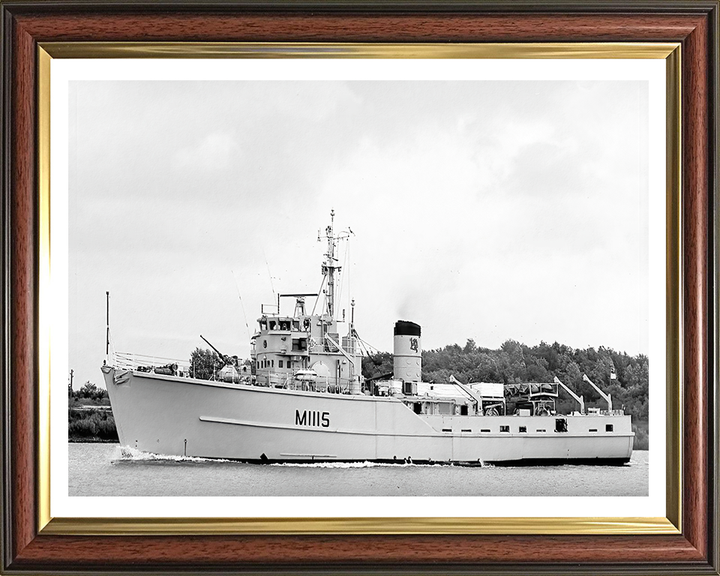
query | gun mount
(224,357)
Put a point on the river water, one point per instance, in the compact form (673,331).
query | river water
(109,470)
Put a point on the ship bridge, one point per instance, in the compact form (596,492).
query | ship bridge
(308,351)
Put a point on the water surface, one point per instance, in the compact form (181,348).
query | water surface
(109,470)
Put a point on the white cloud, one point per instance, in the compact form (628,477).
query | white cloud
(215,151)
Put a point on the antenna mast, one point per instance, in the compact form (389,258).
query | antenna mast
(330,265)
(107,323)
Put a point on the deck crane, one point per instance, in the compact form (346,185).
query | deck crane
(606,396)
(579,399)
(470,392)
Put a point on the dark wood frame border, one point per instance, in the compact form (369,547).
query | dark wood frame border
(25,23)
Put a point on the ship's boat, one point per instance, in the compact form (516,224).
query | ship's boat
(304,399)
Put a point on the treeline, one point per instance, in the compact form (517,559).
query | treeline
(90,418)
(514,362)
(91,425)
(88,395)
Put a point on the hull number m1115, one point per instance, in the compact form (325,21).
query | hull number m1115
(312,418)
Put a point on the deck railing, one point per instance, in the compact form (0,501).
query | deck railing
(129,361)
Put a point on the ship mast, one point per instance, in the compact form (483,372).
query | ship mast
(330,265)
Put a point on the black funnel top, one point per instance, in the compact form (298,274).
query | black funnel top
(405,328)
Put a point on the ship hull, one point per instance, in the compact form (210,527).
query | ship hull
(188,417)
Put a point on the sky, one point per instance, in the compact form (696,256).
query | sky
(484,210)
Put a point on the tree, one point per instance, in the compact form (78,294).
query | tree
(377,365)
(203,363)
(90,391)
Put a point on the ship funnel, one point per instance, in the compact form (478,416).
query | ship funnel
(407,362)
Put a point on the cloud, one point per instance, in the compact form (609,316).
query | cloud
(215,151)
(303,101)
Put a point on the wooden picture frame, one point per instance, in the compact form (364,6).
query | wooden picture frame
(30,543)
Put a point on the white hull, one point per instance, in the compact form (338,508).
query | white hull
(188,417)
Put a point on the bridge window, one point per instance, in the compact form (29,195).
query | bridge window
(280,363)
(463,410)
(417,408)
(300,344)
(561,425)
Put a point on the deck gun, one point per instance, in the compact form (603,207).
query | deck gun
(227,359)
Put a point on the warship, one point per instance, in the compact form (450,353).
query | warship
(303,398)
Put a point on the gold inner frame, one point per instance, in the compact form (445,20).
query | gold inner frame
(671,524)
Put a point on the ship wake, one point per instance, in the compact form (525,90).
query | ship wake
(128,454)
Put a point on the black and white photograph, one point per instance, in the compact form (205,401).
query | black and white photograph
(359,288)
